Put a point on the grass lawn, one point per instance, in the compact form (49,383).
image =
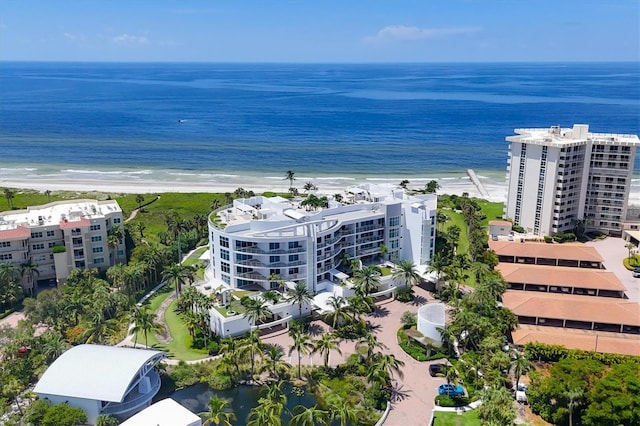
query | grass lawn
(177,349)
(492,210)
(446,418)
(385,270)
(195,256)
(458,219)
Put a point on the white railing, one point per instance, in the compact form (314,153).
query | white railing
(136,401)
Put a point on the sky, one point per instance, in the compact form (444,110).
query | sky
(320,30)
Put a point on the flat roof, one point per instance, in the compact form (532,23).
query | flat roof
(500,223)
(607,310)
(101,373)
(566,251)
(587,340)
(166,412)
(560,276)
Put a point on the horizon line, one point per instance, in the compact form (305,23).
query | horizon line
(309,63)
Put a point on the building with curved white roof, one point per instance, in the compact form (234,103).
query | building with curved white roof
(431,318)
(102,380)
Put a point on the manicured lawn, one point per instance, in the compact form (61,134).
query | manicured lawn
(195,256)
(177,349)
(458,219)
(446,418)
(385,270)
(492,210)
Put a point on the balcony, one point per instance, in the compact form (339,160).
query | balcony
(135,400)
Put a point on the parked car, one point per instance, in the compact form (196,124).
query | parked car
(636,273)
(451,390)
(437,370)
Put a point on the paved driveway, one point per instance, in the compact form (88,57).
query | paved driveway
(613,251)
(414,394)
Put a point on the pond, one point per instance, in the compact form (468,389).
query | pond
(242,399)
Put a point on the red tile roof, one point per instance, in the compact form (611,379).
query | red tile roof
(607,310)
(617,343)
(18,233)
(545,250)
(71,224)
(560,276)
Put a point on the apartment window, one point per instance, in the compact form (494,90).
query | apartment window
(241,257)
(224,267)
(98,260)
(39,246)
(224,242)
(7,256)
(293,271)
(394,233)
(224,254)
(96,238)
(51,233)
(116,220)
(274,246)
(97,249)
(294,257)
(274,259)
(36,234)
(5,243)
(394,244)
(394,221)
(274,271)
(120,252)
(226,278)
(52,244)
(95,227)
(293,244)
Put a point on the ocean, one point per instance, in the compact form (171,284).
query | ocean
(335,122)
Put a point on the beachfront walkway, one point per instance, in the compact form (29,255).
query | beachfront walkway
(414,394)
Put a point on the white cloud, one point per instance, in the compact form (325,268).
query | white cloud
(405,32)
(79,39)
(130,39)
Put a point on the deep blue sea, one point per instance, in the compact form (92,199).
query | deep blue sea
(217,121)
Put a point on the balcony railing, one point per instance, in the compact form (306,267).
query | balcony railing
(137,399)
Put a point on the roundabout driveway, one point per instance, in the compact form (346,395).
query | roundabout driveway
(414,394)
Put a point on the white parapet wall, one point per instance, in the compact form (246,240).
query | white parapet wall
(430,319)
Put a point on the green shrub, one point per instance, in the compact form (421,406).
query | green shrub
(220,381)
(404,294)
(518,228)
(548,239)
(554,353)
(415,350)
(58,249)
(450,401)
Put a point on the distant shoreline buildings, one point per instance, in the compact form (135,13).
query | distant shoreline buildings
(60,236)
(558,177)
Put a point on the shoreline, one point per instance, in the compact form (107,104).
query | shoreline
(450,183)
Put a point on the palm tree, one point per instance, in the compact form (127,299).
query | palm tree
(302,344)
(325,345)
(116,275)
(140,227)
(253,346)
(266,413)
(144,322)
(309,416)
(230,347)
(309,186)
(404,183)
(176,274)
(405,270)
(53,345)
(366,280)
(384,249)
(9,195)
(389,364)
(300,294)
(106,420)
(98,328)
(114,235)
(342,410)
(339,311)
(520,365)
(27,269)
(574,395)
(257,311)
(139,200)
(369,343)
(48,194)
(289,175)
(273,363)
(218,413)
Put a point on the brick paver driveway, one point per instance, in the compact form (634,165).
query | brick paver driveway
(414,394)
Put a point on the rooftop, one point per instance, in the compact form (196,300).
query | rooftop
(587,340)
(57,212)
(560,276)
(101,373)
(572,307)
(166,412)
(564,251)
(558,136)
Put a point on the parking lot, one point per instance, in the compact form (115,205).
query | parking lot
(613,251)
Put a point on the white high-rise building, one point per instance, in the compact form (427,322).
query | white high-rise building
(263,240)
(557,176)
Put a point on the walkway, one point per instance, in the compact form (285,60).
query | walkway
(414,395)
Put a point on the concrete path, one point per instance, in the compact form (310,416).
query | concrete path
(414,395)
(613,251)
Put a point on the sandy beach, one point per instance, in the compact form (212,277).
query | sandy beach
(458,186)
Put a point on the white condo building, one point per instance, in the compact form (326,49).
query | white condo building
(558,175)
(260,238)
(80,226)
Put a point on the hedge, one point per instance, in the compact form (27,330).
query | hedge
(554,353)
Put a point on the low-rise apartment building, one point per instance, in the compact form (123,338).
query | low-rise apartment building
(61,236)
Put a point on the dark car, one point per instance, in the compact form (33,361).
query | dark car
(451,390)
(437,370)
